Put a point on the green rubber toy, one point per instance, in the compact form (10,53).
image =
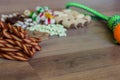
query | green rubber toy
(113,21)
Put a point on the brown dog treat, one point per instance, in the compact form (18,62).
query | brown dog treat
(9,45)
(15,31)
(21,58)
(27,40)
(33,50)
(11,20)
(35,39)
(10,41)
(21,54)
(2,41)
(27,50)
(34,43)
(20,17)
(9,49)
(2,25)
(14,19)
(18,43)
(2,45)
(28,45)
(37,48)
(16,38)
(22,35)
(7,56)
(32,53)
(6,34)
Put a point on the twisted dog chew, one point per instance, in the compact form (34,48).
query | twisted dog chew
(15,44)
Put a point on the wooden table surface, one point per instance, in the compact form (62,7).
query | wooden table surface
(85,54)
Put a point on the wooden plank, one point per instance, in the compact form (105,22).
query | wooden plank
(85,54)
(82,61)
(15,70)
(107,73)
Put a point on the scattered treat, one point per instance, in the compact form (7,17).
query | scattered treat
(18,20)
(71,19)
(27,22)
(52,29)
(20,34)
(4,17)
(15,44)
(42,15)
(24,22)
(12,18)
(46,20)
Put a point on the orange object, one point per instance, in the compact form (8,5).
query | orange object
(116,33)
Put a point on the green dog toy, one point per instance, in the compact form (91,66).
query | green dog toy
(113,21)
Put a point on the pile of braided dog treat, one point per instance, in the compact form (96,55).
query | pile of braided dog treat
(15,44)
(20,34)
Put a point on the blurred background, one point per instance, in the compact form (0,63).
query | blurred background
(7,6)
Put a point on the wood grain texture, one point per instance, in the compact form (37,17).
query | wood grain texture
(106,73)
(83,61)
(7,6)
(15,70)
(87,53)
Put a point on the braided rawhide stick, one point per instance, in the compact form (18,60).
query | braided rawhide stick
(15,44)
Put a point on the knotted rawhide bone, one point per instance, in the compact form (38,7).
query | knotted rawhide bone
(15,44)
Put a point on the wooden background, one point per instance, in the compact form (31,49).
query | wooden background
(85,54)
(20,5)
